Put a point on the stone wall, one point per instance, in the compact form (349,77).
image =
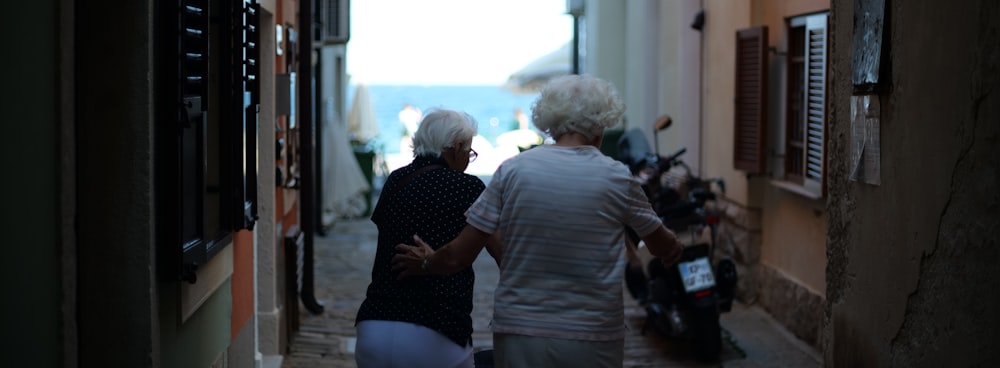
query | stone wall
(796,307)
(739,239)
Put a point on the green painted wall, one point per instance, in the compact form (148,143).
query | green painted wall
(199,340)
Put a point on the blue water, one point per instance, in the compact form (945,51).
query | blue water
(492,106)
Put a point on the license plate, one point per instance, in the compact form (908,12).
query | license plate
(697,274)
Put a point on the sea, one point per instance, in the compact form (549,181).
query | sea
(493,108)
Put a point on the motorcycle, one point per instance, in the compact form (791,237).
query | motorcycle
(683,300)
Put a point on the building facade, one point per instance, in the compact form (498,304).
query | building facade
(170,225)
(683,59)
(855,140)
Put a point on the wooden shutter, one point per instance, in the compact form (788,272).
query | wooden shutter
(193,65)
(193,104)
(816,102)
(246,99)
(749,148)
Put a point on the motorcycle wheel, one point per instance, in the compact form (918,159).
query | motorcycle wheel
(706,334)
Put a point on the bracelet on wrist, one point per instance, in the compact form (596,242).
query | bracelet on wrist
(423,266)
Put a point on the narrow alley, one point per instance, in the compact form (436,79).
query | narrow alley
(343,262)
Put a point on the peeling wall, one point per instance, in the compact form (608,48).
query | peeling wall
(912,263)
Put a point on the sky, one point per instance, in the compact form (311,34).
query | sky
(451,42)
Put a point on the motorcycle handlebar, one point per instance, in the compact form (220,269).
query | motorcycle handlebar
(670,161)
(677,154)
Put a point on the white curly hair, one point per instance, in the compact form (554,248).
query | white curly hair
(577,103)
(440,129)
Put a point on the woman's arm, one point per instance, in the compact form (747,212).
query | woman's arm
(494,247)
(458,254)
(664,244)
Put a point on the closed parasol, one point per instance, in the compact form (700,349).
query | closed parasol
(361,121)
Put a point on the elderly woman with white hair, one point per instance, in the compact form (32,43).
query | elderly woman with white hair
(423,321)
(563,209)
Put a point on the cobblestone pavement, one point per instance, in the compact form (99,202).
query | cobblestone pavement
(343,260)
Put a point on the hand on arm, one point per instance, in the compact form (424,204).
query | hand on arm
(664,244)
(458,254)
(409,260)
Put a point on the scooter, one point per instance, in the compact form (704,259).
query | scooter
(683,300)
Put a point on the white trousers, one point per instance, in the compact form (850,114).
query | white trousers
(389,344)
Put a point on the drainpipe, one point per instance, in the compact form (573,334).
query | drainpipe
(307,192)
(699,24)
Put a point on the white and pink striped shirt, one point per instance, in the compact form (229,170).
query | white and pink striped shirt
(562,213)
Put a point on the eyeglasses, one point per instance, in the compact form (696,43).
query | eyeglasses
(472,153)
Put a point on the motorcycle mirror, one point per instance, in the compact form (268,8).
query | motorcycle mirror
(662,122)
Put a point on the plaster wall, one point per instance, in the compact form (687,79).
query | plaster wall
(640,59)
(794,237)
(662,66)
(791,278)
(605,43)
(32,316)
(118,301)
(677,74)
(722,19)
(912,261)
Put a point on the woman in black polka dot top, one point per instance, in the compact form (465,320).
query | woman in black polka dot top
(422,321)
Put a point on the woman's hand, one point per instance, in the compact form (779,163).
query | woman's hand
(409,260)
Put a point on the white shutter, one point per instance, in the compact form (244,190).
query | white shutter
(816,102)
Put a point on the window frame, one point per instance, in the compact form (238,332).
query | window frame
(806,121)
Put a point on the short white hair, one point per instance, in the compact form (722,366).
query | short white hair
(577,103)
(440,129)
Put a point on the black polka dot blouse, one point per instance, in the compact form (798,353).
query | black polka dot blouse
(432,205)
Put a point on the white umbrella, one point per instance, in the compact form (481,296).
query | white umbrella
(361,120)
(532,76)
(345,194)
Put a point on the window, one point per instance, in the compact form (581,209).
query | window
(806,101)
(333,21)
(211,132)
